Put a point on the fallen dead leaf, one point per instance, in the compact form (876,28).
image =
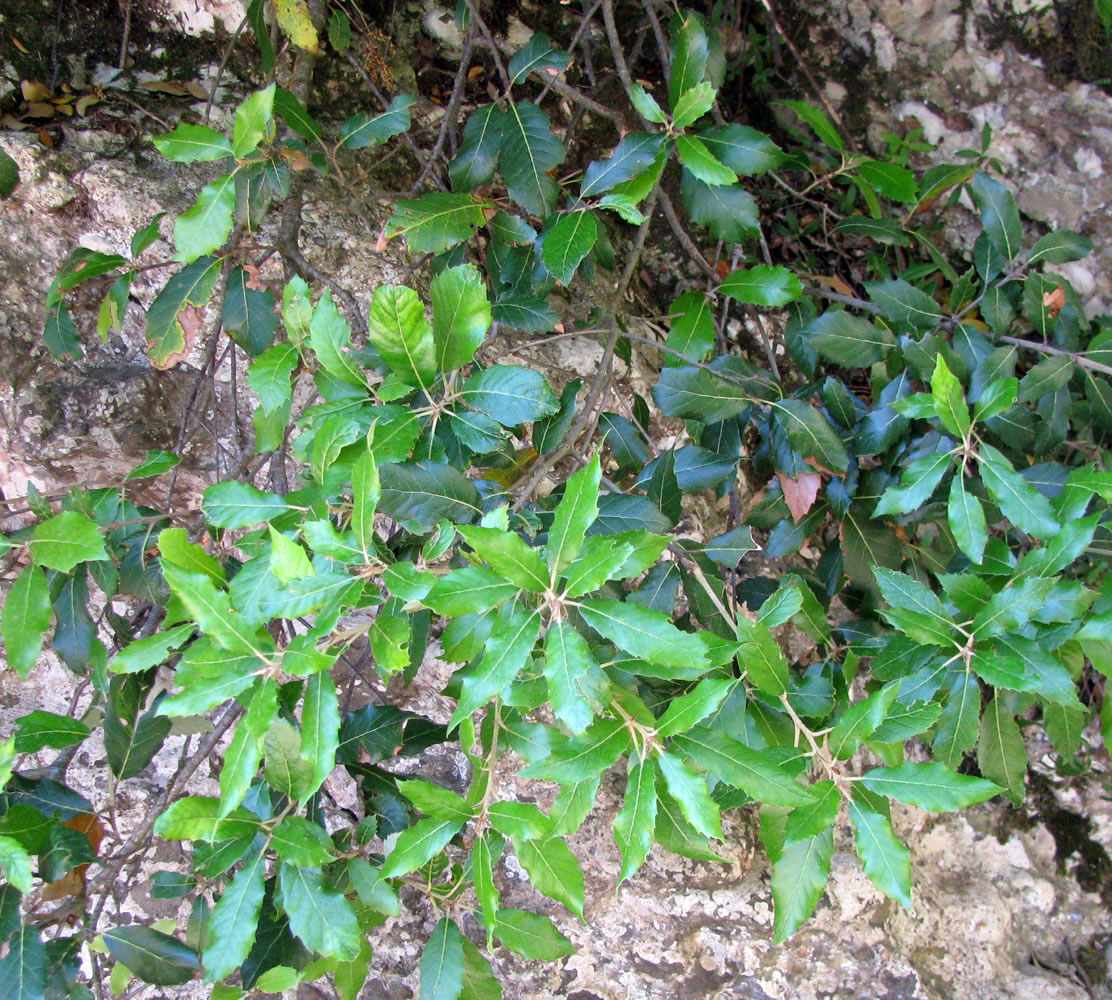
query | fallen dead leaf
(800,493)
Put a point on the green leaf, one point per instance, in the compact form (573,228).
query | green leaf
(9,175)
(241,760)
(131,739)
(436,801)
(373,130)
(253,118)
(1001,754)
(692,331)
(918,482)
(686,711)
(26,617)
(537,56)
(902,302)
(428,493)
(212,610)
(966,518)
(531,935)
(691,794)
(567,242)
(477,158)
(646,634)
(468,590)
(479,981)
(727,210)
(693,103)
(744,150)
(575,513)
(933,786)
(508,555)
(510,395)
(234,504)
(728,549)
(167,340)
(16,864)
(528,151)
(1017,499)
(323,920)
(1059,248)
(886,861)
(233,920)
(846,339)
(861,719)
(799,877)
(553,870)
(699,394)
(39,729)
(461,315)
(329,336)
(398,329)
(248,314)
(949,403)
(59,334)
(200,818)
(204,228)
(295,116)
(810,434)
(25,966)
(320,729)
(418,845)
(633,155)
(436,222)
(442,963)
(154,957)
(1012,607)
(821,125)
(636,820)
(701,162)
(738,765)
(192,144)
(577,687)
(515,633)
(1047,376)
(155,464)
(999,214)
(600,559)
(646,105)
(889,180)
(63,541)
(765,665)
(762,286)
(810,820)
(689,57)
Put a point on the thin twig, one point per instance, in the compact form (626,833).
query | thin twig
(451,113)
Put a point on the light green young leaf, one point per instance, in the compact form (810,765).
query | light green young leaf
(330,338)
(763,659)
(553,870)
(26,617)
(691,794)
(1017,499)
(461,315)
(241,760)
(288,560)
(204,228)
(436,800)
(818,121)
(689,709)
(253,118)
(966,518)
(636,820)
(633,155)
(861,719)
(509,555)
(366,493)
(418,845)
(799,877)
(886,861)
(234,919)
(323,920)
(693,103)
(212,610)
(646,105)
(933,786)
(479,981)
(66,539)
(320,729)
(234,504)
(15,863)
(646,634)
(192,144)
(918,482)
(702,162)
(762,286)
(575,513)
(692,331)
(398,328)
(285,769)
(577,686)
(484,853)
(437,221)
(689,57)
(531,935)
(949,403)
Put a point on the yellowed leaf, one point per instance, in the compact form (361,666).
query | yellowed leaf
(197,90)
(34,91)
(166,87)
(19,45)
(297,22)
(85,102)
(40,109)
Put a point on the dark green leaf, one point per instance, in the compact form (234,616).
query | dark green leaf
(886,861)
(635,153)
(436,222)
(528,151)
(998,214)
(154,957)
(477,158)
(9,175)
(567,242)
(933,786)
(818,121)
(461,315)
(531,935)
(798,879)
(167,340)
(365,130)
(846,339)
(428,493)
(744,150)
(1000,751)
(810,434)
(537,56)
(689,57)
(728,211)
(442,963)
(233,921)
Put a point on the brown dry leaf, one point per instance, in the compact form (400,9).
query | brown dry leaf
(40,109)
(722,269)
(254,277)
(197,90)
(800,494)
(19,45)
(45,138)
(10,121)
(1054,300)
(475,73)
(835,283)
(166,87)
(70,884)
(34,91)
(296,158)
(191,319)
